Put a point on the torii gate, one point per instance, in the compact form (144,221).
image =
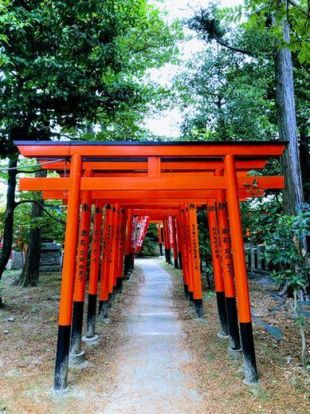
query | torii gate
(129,178)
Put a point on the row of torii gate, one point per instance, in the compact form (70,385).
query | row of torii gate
(113,190)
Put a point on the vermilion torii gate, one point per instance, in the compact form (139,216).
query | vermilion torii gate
(165,182)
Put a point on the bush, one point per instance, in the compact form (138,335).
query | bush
(285,249)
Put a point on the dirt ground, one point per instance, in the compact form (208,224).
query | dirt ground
(28,329)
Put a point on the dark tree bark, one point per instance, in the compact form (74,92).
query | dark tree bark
(293,196)
(9,216)
(30,273)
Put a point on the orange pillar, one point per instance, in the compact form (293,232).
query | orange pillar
(68,274)
(244,308)
(228,273)
(133,242)
(94,273)
(106,254)
(122,246)
(179,240)
(160,239)
(217,268)
(189,247)
(195,254)
(114,253)
(128,263)
(118,251)
(80,275)
(184,249)
(167,242)
(175,244)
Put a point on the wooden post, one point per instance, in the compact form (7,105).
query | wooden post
(179,240)
(194,241)
(80,276)
(104,275)
(189,248)
(119,251)
(228,273)
(160,239)
(122,247)
(217,268)
(167,243)
(128,260)
(244,308)
(113,254)
(183,249)
(68,274)
(94,273)
(175,244)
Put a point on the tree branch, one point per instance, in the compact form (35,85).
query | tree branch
(18,203)
(233,48)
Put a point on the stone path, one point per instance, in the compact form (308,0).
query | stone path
(151,375)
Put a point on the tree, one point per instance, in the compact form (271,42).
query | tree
(288,23)
(30,273)
(263,17)
(66,65)
(225,95)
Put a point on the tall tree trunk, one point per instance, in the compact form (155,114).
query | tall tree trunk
(30,273)
(293,194)
(9,216)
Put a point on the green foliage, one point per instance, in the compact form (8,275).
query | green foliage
(226,97)
(258,218)
(282,236)
(269,15)
(150,243)
(228,91)
(66,64)
(284,248)
(52,223)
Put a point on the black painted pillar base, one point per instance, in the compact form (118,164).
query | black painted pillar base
(168,255)
(127,276)
(77,323)
(91,316)
(161,252)
(248,350)
(233,327)
(103,309)
(186,292)
(126,266)
(198,307)
(131,261)
(176,263)
(221,307)
(111,298)
(180,260)
(119,285)
(62,358)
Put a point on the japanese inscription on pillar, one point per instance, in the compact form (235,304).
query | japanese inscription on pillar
(194,237)
(82,256)
(227,262)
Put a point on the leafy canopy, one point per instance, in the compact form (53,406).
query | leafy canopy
(64,64)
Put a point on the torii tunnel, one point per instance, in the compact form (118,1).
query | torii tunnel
(114,190)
